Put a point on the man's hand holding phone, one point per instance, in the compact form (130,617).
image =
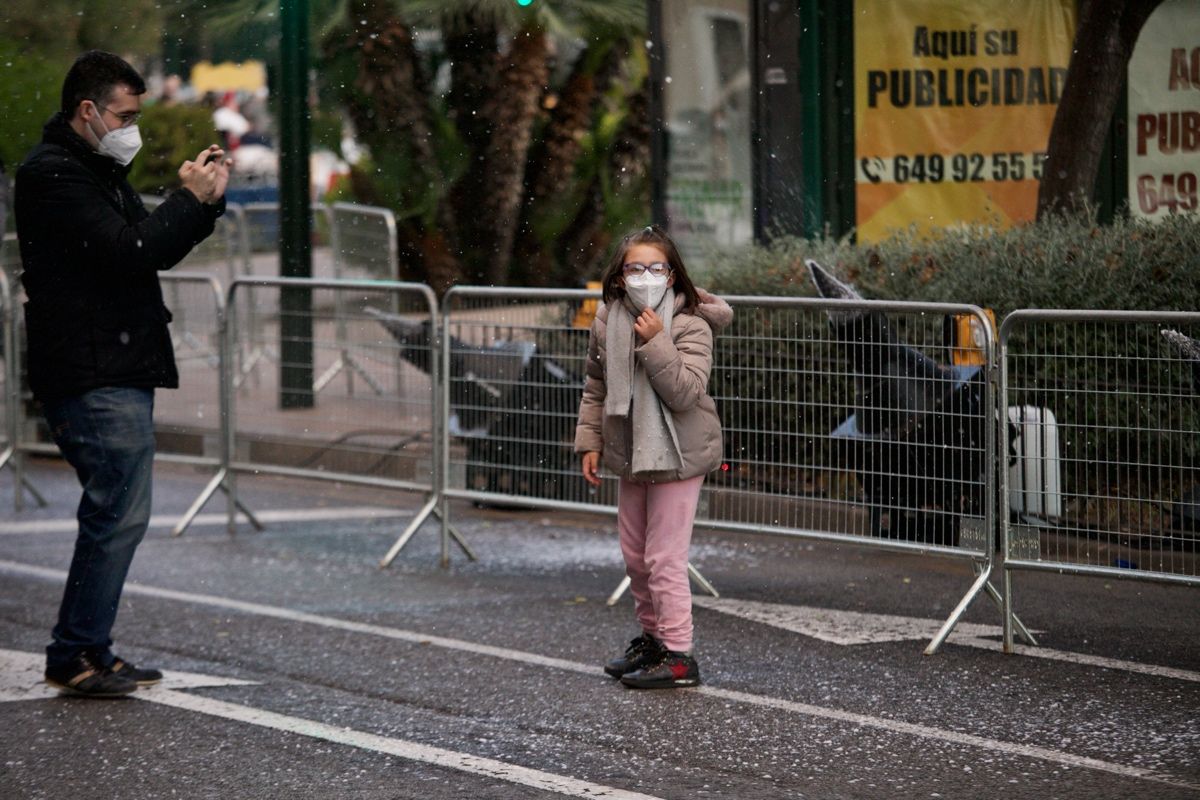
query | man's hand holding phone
(208,175)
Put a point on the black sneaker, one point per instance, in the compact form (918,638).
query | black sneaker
(140,676)
(642,652)
(84,677)
(673,671)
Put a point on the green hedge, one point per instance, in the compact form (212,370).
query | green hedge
(30,87)
(1065,262)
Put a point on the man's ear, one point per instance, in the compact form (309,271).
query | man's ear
(86,110)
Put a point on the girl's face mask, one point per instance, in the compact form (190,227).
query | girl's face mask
(646,290)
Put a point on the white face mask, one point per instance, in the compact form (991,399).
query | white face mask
(120,145)
(646,290)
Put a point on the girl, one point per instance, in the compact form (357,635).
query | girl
(646,412)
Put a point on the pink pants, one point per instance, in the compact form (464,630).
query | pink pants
(655,524)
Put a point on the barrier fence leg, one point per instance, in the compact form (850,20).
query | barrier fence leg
(980,582)
(416,523)
(431,508)
(1008,613)
(620,590)
(347,362)
(217,483)
(12,459)
(1019,626)
(700,580)
(461,542)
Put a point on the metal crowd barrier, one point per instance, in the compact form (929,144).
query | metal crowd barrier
(364,241)
(1103,435)
(10,396)
(854,432)
(275,426)
(15,396)
(189,423)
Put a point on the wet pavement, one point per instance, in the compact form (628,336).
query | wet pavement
(315,674)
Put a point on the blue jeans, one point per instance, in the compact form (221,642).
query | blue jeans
(107,435)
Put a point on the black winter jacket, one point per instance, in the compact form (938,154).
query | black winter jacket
(91,252)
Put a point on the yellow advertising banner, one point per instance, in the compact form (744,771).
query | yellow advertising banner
(953,104)
(228,77)
(1164,113)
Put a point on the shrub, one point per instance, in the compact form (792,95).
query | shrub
(30,86)
(1064,262)
(170,136)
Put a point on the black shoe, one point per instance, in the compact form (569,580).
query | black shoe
(673,671)
(642,652)
(140,676)
(84,677)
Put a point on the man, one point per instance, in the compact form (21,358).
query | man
(97,336)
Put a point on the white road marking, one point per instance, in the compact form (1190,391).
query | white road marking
(953,737)
(855,627)
(1081,658)
(879,723)
(21,679)
(412,751)
(838,627)
(168,521)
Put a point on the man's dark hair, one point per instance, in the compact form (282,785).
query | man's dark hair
(94,76)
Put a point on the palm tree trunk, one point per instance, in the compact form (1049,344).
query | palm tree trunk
(550,174)
(586,239)
(471,47)
(512,109)
(390,108)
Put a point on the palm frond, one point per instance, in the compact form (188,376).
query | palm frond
(226,16)
(560,17)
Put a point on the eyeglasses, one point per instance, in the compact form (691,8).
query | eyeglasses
(658,268)
(127,118)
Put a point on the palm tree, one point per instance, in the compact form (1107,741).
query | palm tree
(467,167)
(494,199)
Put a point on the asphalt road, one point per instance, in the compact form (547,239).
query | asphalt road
(299,669)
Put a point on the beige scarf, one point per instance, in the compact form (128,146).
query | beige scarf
(655,445)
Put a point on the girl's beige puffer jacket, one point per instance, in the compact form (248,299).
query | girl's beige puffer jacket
(678,366)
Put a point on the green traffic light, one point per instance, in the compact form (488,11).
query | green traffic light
(524,2)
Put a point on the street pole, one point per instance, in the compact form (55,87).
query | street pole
(295,244)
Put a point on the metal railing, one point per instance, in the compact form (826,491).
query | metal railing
(189,425)
(10,396)
(12,456)
(275,427)
(1103,433)
(850,432)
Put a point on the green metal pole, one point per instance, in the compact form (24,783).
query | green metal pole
(295,244)
(812,149)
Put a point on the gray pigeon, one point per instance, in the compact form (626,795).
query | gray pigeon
(1189,348)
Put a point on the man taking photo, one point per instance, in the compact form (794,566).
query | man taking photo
(97,338)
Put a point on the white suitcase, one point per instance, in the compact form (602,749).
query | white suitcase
(1034,480)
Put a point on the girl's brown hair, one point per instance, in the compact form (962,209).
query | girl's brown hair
(654,235)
